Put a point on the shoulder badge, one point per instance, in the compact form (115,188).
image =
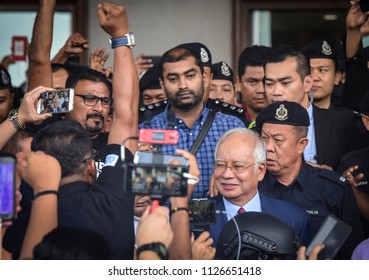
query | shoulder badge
(326,48)
(204,55)
(225,69)
(281,113)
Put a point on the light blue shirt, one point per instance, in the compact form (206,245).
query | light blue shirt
(253,205)
(310,150)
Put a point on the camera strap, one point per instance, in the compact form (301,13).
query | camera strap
(203,132)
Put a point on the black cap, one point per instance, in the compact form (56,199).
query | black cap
(222,71)
(262,237)
(5,80)
(289,113)
(150,80)
(321,48)
(201,50)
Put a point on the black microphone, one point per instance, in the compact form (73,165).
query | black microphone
(171,119)
(147,118)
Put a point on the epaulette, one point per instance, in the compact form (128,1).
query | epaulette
(155,109)
(332,176)
(227,108)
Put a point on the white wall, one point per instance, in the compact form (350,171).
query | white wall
(162,24)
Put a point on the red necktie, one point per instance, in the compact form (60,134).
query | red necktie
(240,211)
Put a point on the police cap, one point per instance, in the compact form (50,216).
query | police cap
(201,50)
(289,113)
(321,48)
(221,71)
(5,80)
(150,80)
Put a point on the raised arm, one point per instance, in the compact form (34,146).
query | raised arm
(74,45)
(39,71)
(43,173)
(113,19)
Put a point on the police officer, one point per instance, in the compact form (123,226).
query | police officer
(222,83)
(284,126)
(150,89)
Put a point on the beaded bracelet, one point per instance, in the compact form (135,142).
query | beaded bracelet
(176,209)
(45,193)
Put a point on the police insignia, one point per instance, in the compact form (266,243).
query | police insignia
(326,49)
(225,69)
(281,113)
(4,78)
(204,55)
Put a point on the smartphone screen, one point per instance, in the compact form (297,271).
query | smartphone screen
(155,157)
(7,187)
(55,101)
(202,212)
(156,180)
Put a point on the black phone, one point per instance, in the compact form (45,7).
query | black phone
(55,101)
(332,233)
(364,5)
(156,180)
(7,186)
(202,211)
(154,58)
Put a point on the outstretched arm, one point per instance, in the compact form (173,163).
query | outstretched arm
(75,44)
(113,19)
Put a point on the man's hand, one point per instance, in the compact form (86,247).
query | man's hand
(313,255)
(355,17)
(75,44)
(349,175)
(98,58)
(201,247)
(322,166)
(113,19)
(39,170)
(142,64)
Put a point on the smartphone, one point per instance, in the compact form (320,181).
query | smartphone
(154,58)
(55,101)
(202,211)
(7,186)
(156,157)
(332,233)
(364,5)
(156,180)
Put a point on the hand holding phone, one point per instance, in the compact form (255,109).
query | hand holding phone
(55,101)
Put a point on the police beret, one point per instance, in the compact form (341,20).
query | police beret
(321,48)
(150,80)
(221,71)
(290,113)
(201,50)
(5,80)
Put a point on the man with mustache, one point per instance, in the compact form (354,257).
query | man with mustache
(182,77)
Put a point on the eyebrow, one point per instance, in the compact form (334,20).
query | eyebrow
(184,73)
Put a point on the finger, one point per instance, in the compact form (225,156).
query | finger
(301,253)
(314,253)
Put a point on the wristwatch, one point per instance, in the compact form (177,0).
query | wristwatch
(13,117)
(126,40)
(157,247)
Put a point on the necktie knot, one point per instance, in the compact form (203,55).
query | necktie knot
(241,210)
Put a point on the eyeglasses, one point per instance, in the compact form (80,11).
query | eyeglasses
(236,167)
(93,154)
(91,100)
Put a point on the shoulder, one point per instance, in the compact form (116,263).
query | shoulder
(330,177)
(281,204)
(227,119)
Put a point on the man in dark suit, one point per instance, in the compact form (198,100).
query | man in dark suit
(331,133)
(239,166)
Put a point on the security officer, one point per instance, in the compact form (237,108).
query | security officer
(150,89)
(222,83)
(284,126)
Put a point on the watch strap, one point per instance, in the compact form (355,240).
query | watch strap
(157,247)
(126,40)
(13,117)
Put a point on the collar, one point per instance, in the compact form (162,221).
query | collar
(72,188)
(253,205)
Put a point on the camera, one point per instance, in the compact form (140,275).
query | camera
(202,215)
(160,158)
(156,180)
(55,101)
(7,186)
(158,136)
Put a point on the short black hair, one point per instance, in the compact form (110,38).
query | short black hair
(284,52)
(252,56)
(67,141)
(178,54)
(83,73)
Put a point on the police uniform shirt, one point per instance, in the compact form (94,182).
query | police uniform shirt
(320,192)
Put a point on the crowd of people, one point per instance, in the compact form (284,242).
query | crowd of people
(278,145)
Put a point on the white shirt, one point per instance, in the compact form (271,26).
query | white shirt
(253,205)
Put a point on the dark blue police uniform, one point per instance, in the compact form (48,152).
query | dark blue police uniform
(320,192)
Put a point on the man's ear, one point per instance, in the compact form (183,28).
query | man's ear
(308,83)
(261,171)
(91,172)
(302,144)
(161,84)
(337,77)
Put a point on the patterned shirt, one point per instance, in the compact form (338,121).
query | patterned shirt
(187,136)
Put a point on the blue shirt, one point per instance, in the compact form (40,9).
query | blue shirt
(187,136)
(310,150)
